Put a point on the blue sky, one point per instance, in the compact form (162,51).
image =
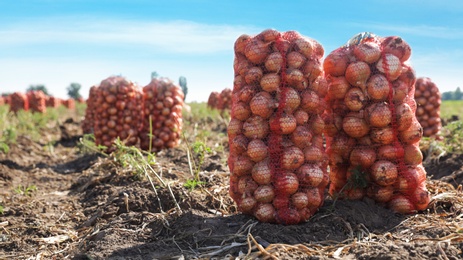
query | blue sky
(57,42)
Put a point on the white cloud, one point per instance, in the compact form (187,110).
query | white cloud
(171,36)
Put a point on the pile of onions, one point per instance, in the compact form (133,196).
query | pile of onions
(225,99)
(428,100)
(87,123)
(117,111)
(162,115)
(213,100)
(37,101)
(277,158)
(371,128)
(18,101)
(69,103)
(52,102)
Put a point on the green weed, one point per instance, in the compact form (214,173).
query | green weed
(26,191)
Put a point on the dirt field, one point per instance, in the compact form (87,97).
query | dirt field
(59,203)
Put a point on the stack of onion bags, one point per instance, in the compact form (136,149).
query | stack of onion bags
(277,160)
(117,111)
(18,101)
(37,101)
(225,99)
(87,123)
(69,103)
(428,99)
(213,100)
(162,121)
(52,102)
(371,128)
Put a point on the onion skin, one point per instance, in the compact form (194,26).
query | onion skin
(402,205)
(362,156)
(247,204)
(292,158)
(262,173)
(384,172)
(355,99)
(397,46)
(357,73)
(264,194)
(286,183)
(335,63)
(265,212)
(355,126)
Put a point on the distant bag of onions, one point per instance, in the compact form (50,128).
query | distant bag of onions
(117,111)
(277,159)
(428,99)
(52,102)
(225,99)
(37,101)
(162,122)
(371,128)
(87,123)
(213,100)
(18,101)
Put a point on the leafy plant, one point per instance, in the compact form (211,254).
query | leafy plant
(200,150)
(1,209)
(26,191)
(87,145)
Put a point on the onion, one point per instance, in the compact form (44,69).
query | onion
(315,196)
(390,152)
(380,193)
(362,156)
(412,155)
(354,99)
(268,35)
(241,42)
(342,144)
(355,125)
(404,116)
(281,201)
(246,185)
(396,46)
(301,136)
(301,116)
(384,172)
(333,123)
(241,111)
(357,73)
(288,216)
(317,124)
(253,75)
(285,124)
(291,100)
(295,79)
(270,82)
(320,86)
(300,200)
(413,134)
(235,127)
(310,175)
(245,94)
(265,212)
(242,165)
(295,59)
(338,87)
(313,154)
(421,197)
(400,91)
(335,63)
(310,101)
(264,193)
(256,51)
(261,172)
(257,150)
(241,65)
(378,87)
(401,204)
(274,62)
(383,135)
(262,104)
(355,193)
(410,178)
(304,46)
(312,69)
(255,127)
(292,158)
(390,65)
(368,52)
(247,204)
(238,144)
(379,114)
(286,183)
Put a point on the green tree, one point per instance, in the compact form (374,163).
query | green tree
(154,75)
(182,83)
(73,90)
(38,87)
(447,95)
(457,95)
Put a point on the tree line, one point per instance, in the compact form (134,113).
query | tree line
(452,95)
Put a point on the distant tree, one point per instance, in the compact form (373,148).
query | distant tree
(447,95)
(182,83)
(457,95)
(73,91)
(154,75)
(38,87)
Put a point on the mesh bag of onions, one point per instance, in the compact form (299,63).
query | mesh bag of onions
(18,101)
(225,99)
(371,128)
(52,102)
(428,99)
(162,123)
(277,161)
(69,103)
(117,111)
(37,101)
(2,101)
(87,123)
(212,101)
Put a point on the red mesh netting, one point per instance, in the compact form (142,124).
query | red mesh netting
(18,101)
(89,120)
(69,103)
(277,159)
(117,111)
(371,127)
(52,102)
(225,99)
(428,99)
(213,100)
(37,101)
(162,122)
